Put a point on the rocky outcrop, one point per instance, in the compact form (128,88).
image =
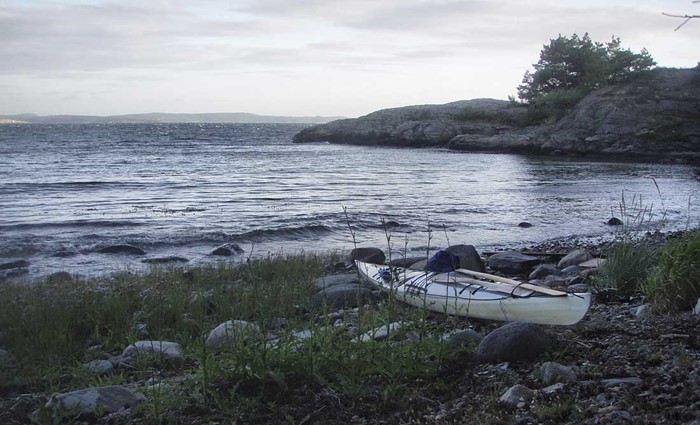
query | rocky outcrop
(656,116)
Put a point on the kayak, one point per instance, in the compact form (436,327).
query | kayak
(478,295)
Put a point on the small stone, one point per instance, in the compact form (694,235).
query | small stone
(100,367)
(552,389)
(696,310)
(577,288)
(642,312)
(166,349)
(230,332)
(524,225)
(614,221)
(517,394)
(617,382)
(571,270)
(381,333)
(544,270)
(593,263)
(553,372)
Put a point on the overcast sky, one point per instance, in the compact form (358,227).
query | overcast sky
(300,57)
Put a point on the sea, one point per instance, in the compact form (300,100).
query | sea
(66,191)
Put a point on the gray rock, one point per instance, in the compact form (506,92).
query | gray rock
(227,250)
(419,265)
(577,288)
(92,400)
(552,373)
(642,312)
(574,258)
(619,382)
(513,342)
(553,281)
(330,281)
(512,262)
(381,333)
(553,389)
(464,338)
(696,309)
(544,270)
(614,221)
(341,296)
(19,264)
(122,249)
(166,349)
(368,255)
(469,257)
(517,396)
(571,270)
(524,225)
(59,277)
(231,332)
(100,367)
(165,260)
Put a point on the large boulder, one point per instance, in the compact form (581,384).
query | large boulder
(341,297)
(514,342)
(329,281)
(468,256)
(368,255)
(512,262)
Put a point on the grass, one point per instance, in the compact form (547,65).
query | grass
(52,328)
(675,284)
(628,265)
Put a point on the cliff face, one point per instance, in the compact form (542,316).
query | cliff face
(657,115)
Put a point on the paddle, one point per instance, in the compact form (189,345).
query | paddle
(535,288)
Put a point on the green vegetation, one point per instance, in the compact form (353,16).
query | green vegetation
(675,284)
(628,265)
(571,67)
(51,329)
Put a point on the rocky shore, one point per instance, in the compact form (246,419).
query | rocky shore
(621,364)
(656,116)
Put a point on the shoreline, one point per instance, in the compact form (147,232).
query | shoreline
(328,362)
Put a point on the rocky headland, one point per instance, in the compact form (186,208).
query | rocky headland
(654,116)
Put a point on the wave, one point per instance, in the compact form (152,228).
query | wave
(69,224)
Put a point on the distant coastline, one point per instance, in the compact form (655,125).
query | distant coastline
(157,117)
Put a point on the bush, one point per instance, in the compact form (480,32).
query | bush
(628,265)
(675,284)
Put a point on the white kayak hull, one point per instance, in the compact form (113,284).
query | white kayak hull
(448,293)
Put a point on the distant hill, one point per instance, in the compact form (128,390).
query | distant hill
(228,118)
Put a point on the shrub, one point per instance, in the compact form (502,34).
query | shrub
(628,265)
(675,284)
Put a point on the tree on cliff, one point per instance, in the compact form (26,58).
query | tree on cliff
(571,67)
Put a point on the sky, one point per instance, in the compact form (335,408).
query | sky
(301,57)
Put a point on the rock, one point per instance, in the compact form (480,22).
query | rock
(696,310)
(380,333)
(368,255)
(619,382)
(122,249)
(468,256)
(577,288)
(59,277)
(165,260)
(464,338)
(593,263)
(513,342)
(231,332)
(553,389)
(330,281)
(516,395)
(571,270)
(227,250)
(166,349)
(552,373)
(419,265)
(19,264)
(100,367)
(544,270)
(90,401)
(524,225)
(642,312)
(553,281)
(405,262)
(512,262)
(614,221)
(342,296)
(574,258)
